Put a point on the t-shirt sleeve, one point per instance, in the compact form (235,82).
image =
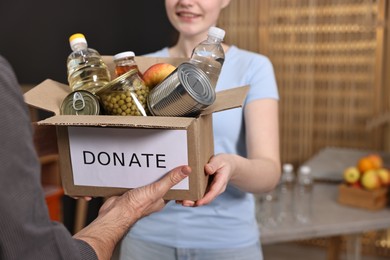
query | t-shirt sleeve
(261,79)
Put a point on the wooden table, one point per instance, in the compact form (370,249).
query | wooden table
(331,219)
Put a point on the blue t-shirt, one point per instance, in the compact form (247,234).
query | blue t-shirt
(229,221)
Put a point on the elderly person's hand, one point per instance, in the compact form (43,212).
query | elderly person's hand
(119,213)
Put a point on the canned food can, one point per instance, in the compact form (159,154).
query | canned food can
(185,92)
(80,102)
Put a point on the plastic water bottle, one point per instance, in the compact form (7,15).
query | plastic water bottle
(86,69)
(286,210)
(266,209)
(304,195)
(209,54)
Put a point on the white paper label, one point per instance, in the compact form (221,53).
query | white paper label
(125,157)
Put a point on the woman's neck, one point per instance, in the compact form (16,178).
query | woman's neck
(184,47)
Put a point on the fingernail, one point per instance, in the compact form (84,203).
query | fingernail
(188,204)
(186,170)
(210,168)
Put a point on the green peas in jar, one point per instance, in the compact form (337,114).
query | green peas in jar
(125,96)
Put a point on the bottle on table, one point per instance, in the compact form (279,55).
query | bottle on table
(304,195)
(125,61)
(85,67)
(266,205)
(209,55)
(286,189)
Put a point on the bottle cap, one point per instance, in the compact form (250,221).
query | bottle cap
(305,169)
(288,167)
(124,55)
(216,32)
(77,38)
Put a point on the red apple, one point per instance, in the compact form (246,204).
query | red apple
(356,185)
(157,73)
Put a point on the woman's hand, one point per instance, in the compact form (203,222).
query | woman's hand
(220,170)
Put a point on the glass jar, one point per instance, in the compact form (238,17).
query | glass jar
(124,62)
(126,95)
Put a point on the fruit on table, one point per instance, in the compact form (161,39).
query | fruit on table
(357,185)
(157,73)
(370,180)
(384,176)
(351,174)
(376,161)
(369,173)
(370,162)
(364,164)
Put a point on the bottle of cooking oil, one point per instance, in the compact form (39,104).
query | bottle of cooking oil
(86,69)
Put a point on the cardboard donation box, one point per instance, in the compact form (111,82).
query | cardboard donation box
(106,155)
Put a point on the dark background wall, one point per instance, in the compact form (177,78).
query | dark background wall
(34,34)
(34,38)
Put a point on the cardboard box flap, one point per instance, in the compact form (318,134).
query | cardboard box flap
(48,95)
(227,99)
(120,121)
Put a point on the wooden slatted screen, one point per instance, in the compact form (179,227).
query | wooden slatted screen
(328,60)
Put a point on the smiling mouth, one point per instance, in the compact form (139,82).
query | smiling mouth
(187,15)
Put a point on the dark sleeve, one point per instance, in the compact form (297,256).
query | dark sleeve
(26,231)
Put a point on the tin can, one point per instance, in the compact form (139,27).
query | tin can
(185,92)
(126,95)
(80,102)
